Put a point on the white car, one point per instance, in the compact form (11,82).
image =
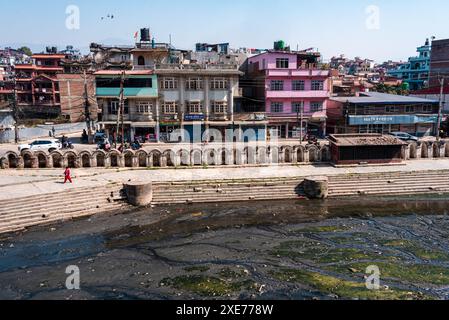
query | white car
(49,145)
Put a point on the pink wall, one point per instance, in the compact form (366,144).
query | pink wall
(267,62)
(270,60)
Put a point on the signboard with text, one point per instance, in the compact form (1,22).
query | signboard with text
(393,119)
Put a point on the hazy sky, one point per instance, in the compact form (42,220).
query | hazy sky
(332,26)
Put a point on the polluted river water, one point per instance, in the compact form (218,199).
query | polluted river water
(256,250)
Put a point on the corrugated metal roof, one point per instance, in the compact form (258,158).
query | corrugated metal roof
(348,140)
(381,98)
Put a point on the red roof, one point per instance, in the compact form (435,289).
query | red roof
(119,72)
(433,90)
(49,68)
(25,66)
(48,56)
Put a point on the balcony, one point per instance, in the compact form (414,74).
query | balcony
(298,73)
(297,94)
(148,117)
(128,92)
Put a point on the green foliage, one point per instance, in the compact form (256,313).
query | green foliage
(25,50)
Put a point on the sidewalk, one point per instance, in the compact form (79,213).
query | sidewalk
(23,183)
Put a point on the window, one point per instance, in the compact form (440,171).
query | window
(391,109)
(409,109)
(298,85)
(297,107)
(219,84)
(427,108)
(369,110)
(141,61)
(220,107)
(194,107)
(277,85)
(194,84)
(144,107)
(316,107)
(282,63)
(128,83)
(169,83)
(113,107)
(170,108)
(277,107)
(317,85)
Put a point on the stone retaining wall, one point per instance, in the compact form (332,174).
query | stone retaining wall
(251,155)
(212,156)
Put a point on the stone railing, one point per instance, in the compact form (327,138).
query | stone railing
(212,155)
(182,155)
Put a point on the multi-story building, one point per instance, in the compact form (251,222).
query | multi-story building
(372,112)
(416,71)
(111,57)
(169,97)
(439,62)
(199,100)
(140,94)
(290,85)
(37,84)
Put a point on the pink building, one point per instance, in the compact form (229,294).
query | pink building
(292,87)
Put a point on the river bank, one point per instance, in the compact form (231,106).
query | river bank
(38,197)
(278,250)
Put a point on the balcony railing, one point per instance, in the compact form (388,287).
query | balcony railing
(196,67)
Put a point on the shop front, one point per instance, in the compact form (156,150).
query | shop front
(193,128)
(144,132)
(291,128)
(170,130)
(418,125)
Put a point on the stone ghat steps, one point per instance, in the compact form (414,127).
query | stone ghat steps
(240,198)
(62,200)
(187,192)
(386,184)
(394,183)
(400,192)
(24,223)
(333,179)
(79,206)
(72,193)
(226,193)
(55,207)
(402,189)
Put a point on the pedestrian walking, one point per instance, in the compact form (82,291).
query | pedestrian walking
(67,175)
(53,131)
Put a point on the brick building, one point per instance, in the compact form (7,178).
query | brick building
(72,96)
(439,62)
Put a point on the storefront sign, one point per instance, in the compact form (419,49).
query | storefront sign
(393,119)
(194,117)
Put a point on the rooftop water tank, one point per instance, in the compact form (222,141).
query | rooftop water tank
(145,35)
(279,45)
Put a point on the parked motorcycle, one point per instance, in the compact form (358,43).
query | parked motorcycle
(68,145)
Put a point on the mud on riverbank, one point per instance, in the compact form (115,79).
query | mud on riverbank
(279,250)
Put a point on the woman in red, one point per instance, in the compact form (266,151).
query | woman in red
(67,174)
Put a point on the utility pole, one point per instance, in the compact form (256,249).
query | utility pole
(440,109)
(87,109)
(119,109)
(14,109)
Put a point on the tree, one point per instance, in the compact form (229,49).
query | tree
(25,50)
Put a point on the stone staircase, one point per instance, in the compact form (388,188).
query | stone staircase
(389,184)
(400,183)
(20,213)
(227,190)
